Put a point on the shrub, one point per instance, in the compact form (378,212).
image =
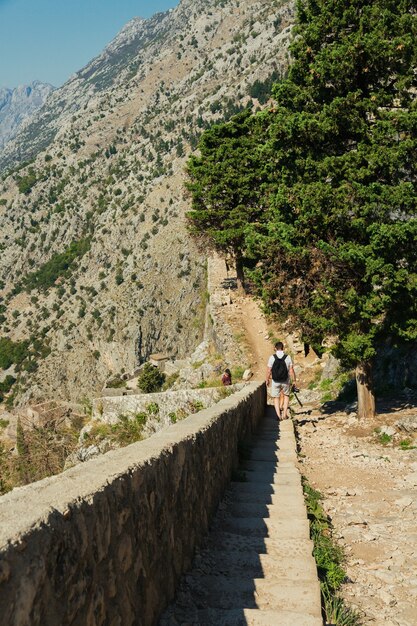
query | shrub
(150,379)
(25,183)
(11,352)
(6,385)
(59,265)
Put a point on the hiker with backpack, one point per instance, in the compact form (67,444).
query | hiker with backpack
(280,369)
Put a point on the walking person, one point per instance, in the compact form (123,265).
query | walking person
(280,369)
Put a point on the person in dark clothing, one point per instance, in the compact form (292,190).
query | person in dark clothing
(227,378)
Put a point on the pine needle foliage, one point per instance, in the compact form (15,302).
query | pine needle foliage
(338,246)
(321,190)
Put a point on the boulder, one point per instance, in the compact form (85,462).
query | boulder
(331,368)
(388,430)
(247,375)
(201,353)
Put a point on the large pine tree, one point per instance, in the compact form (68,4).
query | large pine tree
(338,246)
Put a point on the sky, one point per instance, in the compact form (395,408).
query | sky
(48,40)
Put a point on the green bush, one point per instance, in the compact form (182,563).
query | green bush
(25,183)
(12,352)
(128,429)
(59,265)
(6,385)
(150,379)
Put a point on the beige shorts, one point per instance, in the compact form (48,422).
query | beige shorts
(276,389)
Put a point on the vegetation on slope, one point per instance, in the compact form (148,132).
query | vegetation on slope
(58,266)
(330,560)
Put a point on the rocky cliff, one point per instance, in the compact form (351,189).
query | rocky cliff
(96,269)
(18,106)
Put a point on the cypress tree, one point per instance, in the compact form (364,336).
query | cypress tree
(338,246)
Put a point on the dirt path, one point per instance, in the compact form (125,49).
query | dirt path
(250,327)
(244,316)
(248,317)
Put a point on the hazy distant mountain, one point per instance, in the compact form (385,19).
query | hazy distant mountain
(18,105)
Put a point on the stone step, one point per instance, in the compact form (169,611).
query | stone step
(269,470)
(269,465)
(276,430)
(257,487)
(272,446)
(245,617)
(267,455)
(283,497)
(279,499)
(228,592)
(268,437)
(272,478)
(294,509)
(284,482)
(248,564)
(285,528)
(269,441)
(276,546)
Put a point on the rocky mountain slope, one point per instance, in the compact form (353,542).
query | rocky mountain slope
(18,106)
(96,267)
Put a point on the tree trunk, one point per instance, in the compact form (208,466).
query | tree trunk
(366,397)
(240,276)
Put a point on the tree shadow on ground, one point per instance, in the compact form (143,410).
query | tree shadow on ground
(389,404)
(229,283)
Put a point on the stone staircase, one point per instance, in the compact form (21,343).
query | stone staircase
(256,566)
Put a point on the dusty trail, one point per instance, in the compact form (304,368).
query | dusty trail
(250,319)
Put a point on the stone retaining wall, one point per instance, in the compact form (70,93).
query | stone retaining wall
(105,542)
(108,409)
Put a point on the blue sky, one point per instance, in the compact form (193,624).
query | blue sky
(48,40)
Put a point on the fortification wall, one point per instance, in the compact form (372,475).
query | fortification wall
(106,541)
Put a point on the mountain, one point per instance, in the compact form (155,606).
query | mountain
(97,270)
(18,105)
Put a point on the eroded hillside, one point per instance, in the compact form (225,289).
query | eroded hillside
(96,268)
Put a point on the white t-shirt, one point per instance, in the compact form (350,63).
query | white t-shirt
(280,354)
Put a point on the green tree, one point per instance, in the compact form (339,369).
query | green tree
(150,379)
(338,247)
(225,181)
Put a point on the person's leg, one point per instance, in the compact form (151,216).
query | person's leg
(275,397)
(277,408)
(286,394)
(281,400)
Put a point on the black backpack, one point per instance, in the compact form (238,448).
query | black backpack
(280,370)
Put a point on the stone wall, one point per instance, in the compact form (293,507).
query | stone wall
(108,409)
(106,542)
